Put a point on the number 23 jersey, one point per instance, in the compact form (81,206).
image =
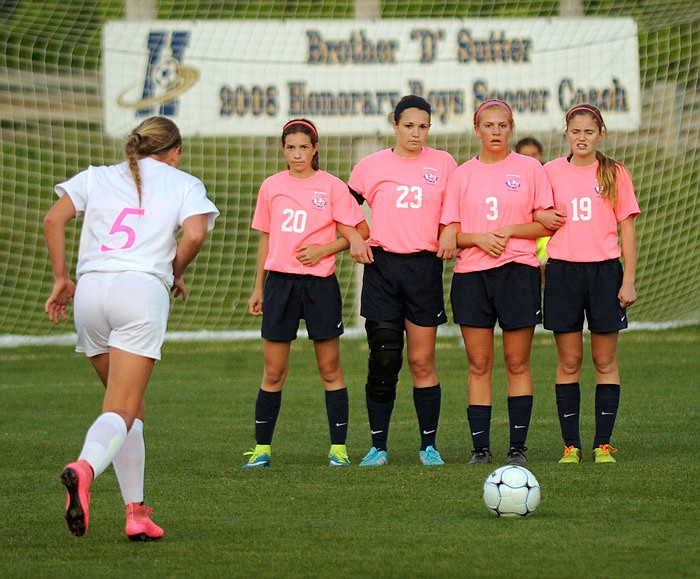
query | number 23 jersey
(118,233)
(406,196)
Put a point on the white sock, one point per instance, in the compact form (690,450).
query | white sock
(129,464)
(103,441)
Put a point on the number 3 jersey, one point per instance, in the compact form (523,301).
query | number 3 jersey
(483,197)
(406,196)
(118,233)
(296,212)
(590,232)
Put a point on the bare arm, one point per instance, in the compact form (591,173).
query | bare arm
(55,234)
(447,240)
(531,230)
(356,236)
(628,294)
(552,219)
(255,302)
(194,234)
(311,254)
(493,243)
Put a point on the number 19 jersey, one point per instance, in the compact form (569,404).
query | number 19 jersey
(405,195)
(590,231)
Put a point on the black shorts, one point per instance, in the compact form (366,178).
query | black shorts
(510,294)
(575,289)
(289,297)
(404,286)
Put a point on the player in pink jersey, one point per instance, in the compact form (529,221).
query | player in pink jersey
(402,289)
(585,277)
(128,261)
(488,215)
(298,213)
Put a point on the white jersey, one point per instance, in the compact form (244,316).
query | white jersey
(120,235)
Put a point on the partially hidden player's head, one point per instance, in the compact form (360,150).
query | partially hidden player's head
(493,125)
(585,130)
(411,125)
(156,137)
(300,146)
(531,147)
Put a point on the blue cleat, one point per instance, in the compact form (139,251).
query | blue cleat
(431,457)
(260,456)
(375,458)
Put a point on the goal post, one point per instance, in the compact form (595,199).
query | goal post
(74,78)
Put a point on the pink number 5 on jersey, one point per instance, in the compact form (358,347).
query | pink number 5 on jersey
(119,227)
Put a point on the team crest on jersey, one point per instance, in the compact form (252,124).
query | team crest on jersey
(598,189)
(319,199)
(430,175)
(513,182)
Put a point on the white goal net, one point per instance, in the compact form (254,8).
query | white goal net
(76,76)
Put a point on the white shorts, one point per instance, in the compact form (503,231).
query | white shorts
(127,310)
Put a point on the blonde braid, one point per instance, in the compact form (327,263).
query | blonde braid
(154,136)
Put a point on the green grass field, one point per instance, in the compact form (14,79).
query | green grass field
(300,518)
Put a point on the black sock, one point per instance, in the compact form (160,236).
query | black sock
(427,403)
(379,414)
(480,424)
(607,402)
(519,414)
(337,409)
(267,409)
(569,410)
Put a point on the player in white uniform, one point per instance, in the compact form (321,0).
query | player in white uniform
(128,262)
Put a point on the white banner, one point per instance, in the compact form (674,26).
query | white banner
(246,77)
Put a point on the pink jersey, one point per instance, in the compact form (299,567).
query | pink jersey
(299,212)
(406,196)
(590,232)
(483,197)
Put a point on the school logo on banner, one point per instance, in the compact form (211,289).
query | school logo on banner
(166,76)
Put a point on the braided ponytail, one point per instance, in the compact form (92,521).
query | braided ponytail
(154,136)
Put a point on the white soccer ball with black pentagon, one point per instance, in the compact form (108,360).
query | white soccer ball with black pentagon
(511,491)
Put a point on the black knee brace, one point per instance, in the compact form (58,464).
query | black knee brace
(385,340)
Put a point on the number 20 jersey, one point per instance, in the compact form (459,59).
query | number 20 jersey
(298,212)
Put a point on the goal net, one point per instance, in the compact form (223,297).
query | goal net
(75,77)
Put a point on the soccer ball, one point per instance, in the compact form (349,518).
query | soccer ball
(511,491)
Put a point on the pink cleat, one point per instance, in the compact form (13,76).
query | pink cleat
(76,477)
(139,526)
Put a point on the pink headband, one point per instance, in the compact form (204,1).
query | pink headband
(586,108)
(300,122)
(492,103)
